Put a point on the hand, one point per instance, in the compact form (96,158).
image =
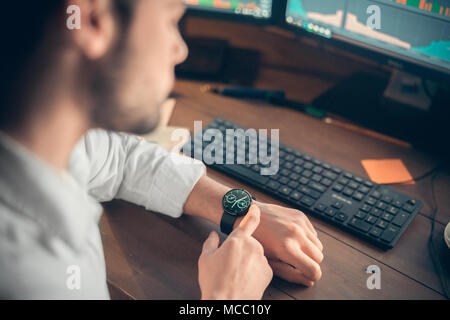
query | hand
(238,269)
(290,243)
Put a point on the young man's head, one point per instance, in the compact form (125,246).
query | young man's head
(118,68)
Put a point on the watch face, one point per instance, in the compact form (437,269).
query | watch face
(237,202)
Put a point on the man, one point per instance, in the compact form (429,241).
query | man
(64,94)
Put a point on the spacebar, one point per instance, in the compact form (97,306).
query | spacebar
(245,173)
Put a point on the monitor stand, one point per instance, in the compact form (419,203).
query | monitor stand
(393,104)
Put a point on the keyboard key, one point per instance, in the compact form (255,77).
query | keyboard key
(348,175)
(353,185)
(371,219)
(288,165)
(341,217)
(348,192)
(369,184)
(317,169)
(366,208)
(371,201)
(387,216)
(294,176)
(375,232)
(307,201)
(304,189)
(363,189)
(330,175)
(408,208)
(397,203)
(307,173)
(316,177)
(316,186)
(358,179)
(392,210)
(337,205)
(299,162)
(361,215)
(360,224)
(284,180)
(326,182)
(295,195)
(338,187)
(381,205)
(376,194)
(336,170)
(293,184)
(382,224)
(273,185)
(314,194)
(320,207)
(285,172)
(358,196)
(303,180)
(308,165)
(389,234)
(285,190)
(289,157)
(386,199)
(343,181)
(298,169)
(400,219)
(330,212)
(376,212)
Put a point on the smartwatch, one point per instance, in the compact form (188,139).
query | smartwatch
(235,203)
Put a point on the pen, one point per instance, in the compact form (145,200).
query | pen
(275,97)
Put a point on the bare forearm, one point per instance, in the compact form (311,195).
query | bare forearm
(205,200)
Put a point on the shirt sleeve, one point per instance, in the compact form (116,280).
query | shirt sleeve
(116,165)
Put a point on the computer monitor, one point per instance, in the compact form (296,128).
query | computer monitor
(255,10)
(413,35)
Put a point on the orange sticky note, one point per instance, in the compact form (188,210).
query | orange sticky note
(387,171)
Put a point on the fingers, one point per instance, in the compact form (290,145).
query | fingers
(312,250)
(250,222)
(211,244)
(316,241)
(301,261)
(310,226)
(289,273)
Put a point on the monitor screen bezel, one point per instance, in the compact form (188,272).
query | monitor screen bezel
(380,55)
(211,14)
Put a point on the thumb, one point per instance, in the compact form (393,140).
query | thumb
(250,222)
(211,244)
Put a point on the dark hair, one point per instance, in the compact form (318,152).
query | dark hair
(22,27)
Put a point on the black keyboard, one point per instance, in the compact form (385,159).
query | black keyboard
(373,212)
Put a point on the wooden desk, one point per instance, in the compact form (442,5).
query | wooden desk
(149,256)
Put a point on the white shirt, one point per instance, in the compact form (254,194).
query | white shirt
(50,244)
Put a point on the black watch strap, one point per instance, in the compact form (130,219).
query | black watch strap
(227,223)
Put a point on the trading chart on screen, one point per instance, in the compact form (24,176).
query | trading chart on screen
(418,29)
(255,8)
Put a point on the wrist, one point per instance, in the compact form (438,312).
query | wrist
(205,200)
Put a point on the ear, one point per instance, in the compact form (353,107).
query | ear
(98,27)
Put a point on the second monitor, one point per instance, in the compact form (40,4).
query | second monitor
(260,9)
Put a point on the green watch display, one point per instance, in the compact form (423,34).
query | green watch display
(235,203)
